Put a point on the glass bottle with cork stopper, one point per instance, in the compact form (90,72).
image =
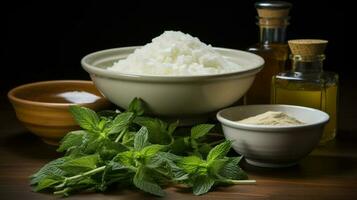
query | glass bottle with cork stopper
(307,84)
(272,20)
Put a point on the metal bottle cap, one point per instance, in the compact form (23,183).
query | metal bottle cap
(273,13)
(273,5)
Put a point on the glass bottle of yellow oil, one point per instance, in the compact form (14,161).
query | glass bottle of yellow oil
(307,84)
(273,18)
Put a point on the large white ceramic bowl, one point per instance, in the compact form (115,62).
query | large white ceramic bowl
(273,146)
(173,96)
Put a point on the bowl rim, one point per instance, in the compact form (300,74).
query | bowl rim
(269,128)
(13,98)
(167,78)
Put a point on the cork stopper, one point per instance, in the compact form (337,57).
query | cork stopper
(307,47)
(273,13)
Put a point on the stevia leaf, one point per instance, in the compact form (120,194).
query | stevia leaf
(109,149)
(103,123)
(151,150)
(215,166)
(137,106)
(160,159)
(158,130)
(46,183)
(164,158)
(169,156)
(190,164)
(51,169)
(71,140)
(141,139)
(121,121)
(167,160)
(202,184)
(126,158)
(200,130)
(145,182)
(116,165)
(157,161)
(231,170)
(128,139)
(85,117)
(91,144)
(78,165)
(219,151)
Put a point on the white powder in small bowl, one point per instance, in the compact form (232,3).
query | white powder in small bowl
(174,53)
(271,118)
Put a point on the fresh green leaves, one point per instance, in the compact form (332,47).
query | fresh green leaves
(216,169)
(141,138)
(137,107)
(200,130)
(127,148)
(219,151)
(51,169)
(85,117)
(202,184)
(46,183)
(192,164)
(145,182)
(78,165)
(72,140)
(195,143)
(160,132)
(121,122)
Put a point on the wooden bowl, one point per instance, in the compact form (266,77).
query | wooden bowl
(43,106)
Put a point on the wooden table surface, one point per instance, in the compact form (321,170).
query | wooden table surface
(329,172)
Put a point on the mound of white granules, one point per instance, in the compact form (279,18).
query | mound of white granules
(271,118)
(174,53)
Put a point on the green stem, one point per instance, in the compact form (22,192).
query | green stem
(61,192)
(88,173)
(93,171)
(120,135)
(242,182)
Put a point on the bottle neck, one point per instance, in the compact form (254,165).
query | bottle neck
(272,29)
(312,64)
(272,34)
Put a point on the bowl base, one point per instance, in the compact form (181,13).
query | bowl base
(269,165)
(50,141)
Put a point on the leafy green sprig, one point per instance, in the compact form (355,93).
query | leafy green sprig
(128,148)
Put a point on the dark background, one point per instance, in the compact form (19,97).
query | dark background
(46,40)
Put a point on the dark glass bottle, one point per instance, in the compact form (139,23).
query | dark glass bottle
(272,21)
(307,84)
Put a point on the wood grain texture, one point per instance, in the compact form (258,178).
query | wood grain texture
(330,172)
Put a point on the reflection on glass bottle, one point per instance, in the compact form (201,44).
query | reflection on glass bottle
(307,84)
(273,20)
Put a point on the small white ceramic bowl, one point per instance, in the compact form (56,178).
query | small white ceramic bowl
(268,145)
(173,96)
